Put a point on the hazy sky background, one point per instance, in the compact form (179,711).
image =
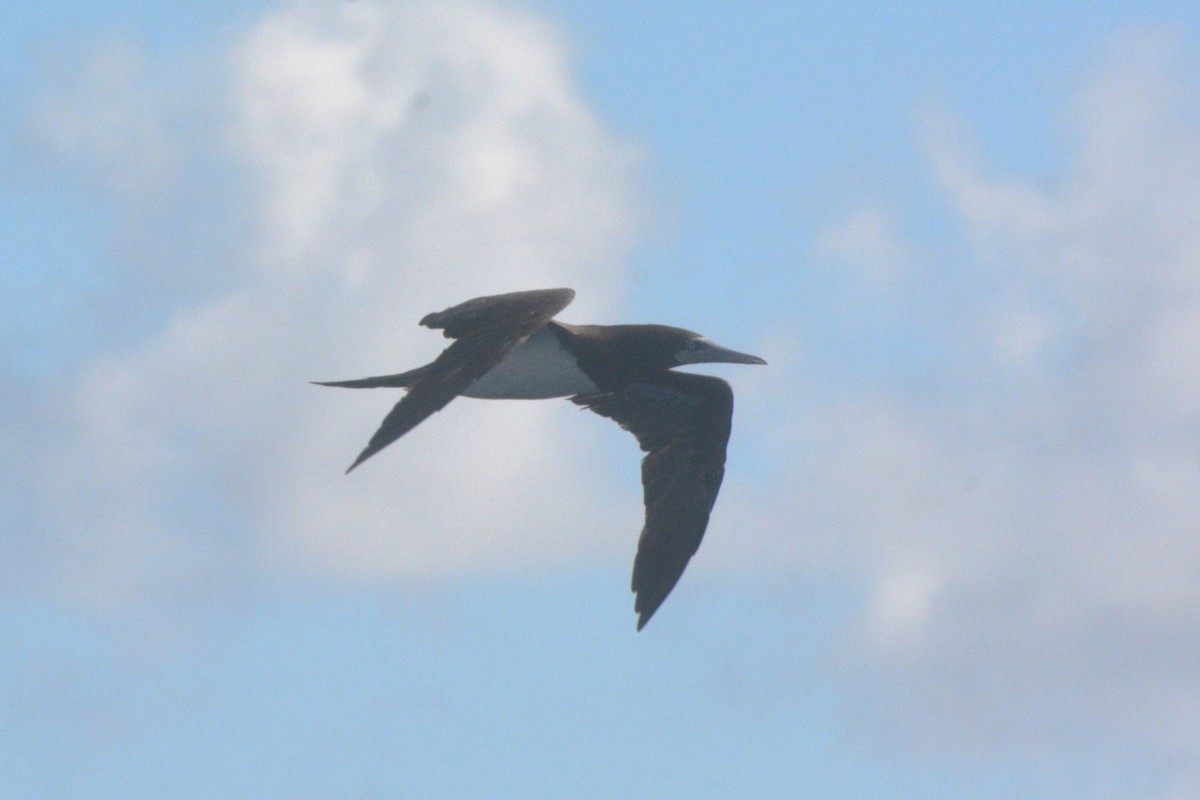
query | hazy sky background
(956,552)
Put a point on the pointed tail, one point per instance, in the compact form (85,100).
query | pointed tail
(402,380)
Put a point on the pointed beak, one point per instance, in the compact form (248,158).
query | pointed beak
(713,353)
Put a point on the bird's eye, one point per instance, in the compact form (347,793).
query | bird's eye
(693,345)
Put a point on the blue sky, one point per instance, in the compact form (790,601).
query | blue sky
(954,554)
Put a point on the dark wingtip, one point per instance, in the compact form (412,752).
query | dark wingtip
(363,456)
(644,609)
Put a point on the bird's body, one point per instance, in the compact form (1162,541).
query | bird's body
(508,347)
(539,369)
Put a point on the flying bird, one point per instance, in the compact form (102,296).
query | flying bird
(509,346)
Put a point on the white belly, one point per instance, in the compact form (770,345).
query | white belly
(536,370)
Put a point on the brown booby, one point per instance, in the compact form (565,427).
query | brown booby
(509,346)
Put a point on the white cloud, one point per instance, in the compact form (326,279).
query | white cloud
(868,244)
(384,161)
(899,609)
(1025,512)
(108,117)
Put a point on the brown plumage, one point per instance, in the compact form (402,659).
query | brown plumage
(509,346)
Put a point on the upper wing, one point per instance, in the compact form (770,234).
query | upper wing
(682,421)
(486,330)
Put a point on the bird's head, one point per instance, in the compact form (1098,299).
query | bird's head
(647,349)
(696,349)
